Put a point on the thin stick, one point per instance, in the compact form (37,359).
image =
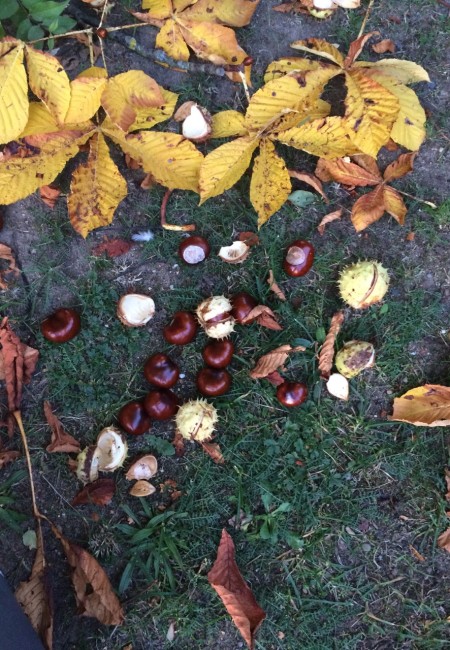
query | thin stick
(18,417)
(244,83)
(168,226)
(88,30)
(103,13)
(411,196)
(366,18)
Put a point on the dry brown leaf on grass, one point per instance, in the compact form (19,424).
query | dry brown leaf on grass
(264,316)
(249,238)
(113,247)
(326,355)
(61,441)
(447,483)
(444,540)
(34,598)
(93,591)
(7,255)
(100,493)
(328,218)
(49,195)
(8,456)
(415,553)
(386,45)
(234,592)
(311,180)
(425,406)
(213,450)
(273,286)
(273,360)
(275,378)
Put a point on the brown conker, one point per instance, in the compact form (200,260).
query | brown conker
(61,326)
(292,393)
(299,258)
(181,329)
(133,418)
(218,353)
(161,404)
(160,370)
(194,249)
(242,304)
(213,382)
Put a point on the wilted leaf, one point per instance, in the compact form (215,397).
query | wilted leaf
(310,179)
(326,355)
(61,441)
(100,493)
(273,360)
(234,592)
(8,456)
(112,247)
(425,406)
(93,591)
(346,172)
(273,286)
(368,208)
(34,598)
(444,540)
(264,316)
(386,45)
(49,195)
(275,378)
(7,255)
(406,72)
(213,450)
(328,218)
(270,184)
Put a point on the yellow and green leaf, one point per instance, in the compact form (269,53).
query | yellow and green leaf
(271,184)
(13,94)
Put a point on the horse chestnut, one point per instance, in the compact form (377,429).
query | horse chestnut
(161,404)
(181,329)
(161,371)
(218,354)
(292,393)
(213,382)
(134,419)
(299,258)
(61,326)
(194,250)
(242,303)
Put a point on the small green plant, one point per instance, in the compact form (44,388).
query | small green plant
(29,20)
(153,547)
(8,516)
(271,526)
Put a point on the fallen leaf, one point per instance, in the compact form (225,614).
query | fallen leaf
(275,378)
(93,591)
(337,385)
(61,441)
(273,286)
(326,356)
(447,482)
(148,182)
(234,592)
(213,450)
(29,539)
(328,218)
(49,195)
(113,247)
(34,597)
(100,493)
(8,456)
(444,540)
(415,553)
(410,236)
(178,443)
(310,179)
(425,406)
(386,45)
(249,238)
(273,360)
(7,255)
(264,316)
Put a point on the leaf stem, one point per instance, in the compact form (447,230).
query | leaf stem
(168,226)
(411,196)
(366,18)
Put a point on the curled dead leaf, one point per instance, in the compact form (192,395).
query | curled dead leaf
(275,378)
(386,45)
(326,355)
(49,195)
(273,286)
(250,238)
(7,255)
(8,456)
(444,540)
(112,247)
(264,316)
(213,450)
(425,406)
(273,360)
(226,579)
(328,218)
(61,441)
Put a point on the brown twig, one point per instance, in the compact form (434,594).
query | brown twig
(366,18)
(168,226)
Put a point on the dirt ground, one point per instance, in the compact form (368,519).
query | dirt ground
(36,234)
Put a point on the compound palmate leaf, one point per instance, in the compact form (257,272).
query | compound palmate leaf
(96,190)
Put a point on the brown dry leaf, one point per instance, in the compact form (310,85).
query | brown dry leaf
(264,316)
(114,247)
(275,378)
(415,553)
(49,195)
(93,591)
(249,238)
(326,356)
(410,236)
(273,360)
(447,482)
(148,182)
(273,286)
(386,45)
(311,180)
(34,598)
(100,493)
(213,450)
(425,406)
(328,218)
(61,441)
(234,592)
(7,255)
(444,540)
(8,456)
(178,443)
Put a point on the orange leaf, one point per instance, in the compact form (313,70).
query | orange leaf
(234,592)
(400,167)
(275,378)
(112,247)
(326,356)
(8,456)
(386,45)
(93,591)
(328,218)
(345,172)
(273,360)
(49,195)
(394,204)
(425,406)
(273,286)
(356,47)
(100,492)
(444,540)
(7,255)
(311,180)
(213,450)
(61,441)
(419,557)
(368,208)
(264,316)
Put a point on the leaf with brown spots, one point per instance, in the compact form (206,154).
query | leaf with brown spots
(326,355)
(273,360)
(273,286)
(100,493)
(12,271)
(61,441)
(49,195)
(234,592)
(329,218)
(425,406)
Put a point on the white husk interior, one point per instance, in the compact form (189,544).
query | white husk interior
(144,468)
(237,250)
(112,450)
(137,309)
(337,385)
(195,125)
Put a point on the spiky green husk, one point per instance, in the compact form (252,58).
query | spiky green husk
(363,284)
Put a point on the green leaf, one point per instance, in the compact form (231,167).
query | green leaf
(8,8)
(62,25)
(29,4)
(161,446)
(44,10)
(35,32)
(2,31)
(23,29)
(301,198)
